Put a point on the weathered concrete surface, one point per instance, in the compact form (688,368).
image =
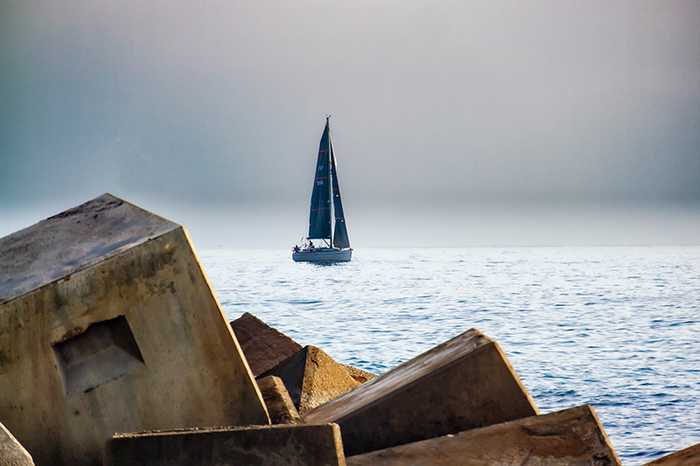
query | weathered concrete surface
(254,445)
(358,374)
(71,241)
(108,324)
(264,347)
(12,453)
(462,384)
(312,378)
(280,406)
(571,437)
(687,457)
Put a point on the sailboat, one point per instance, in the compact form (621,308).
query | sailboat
(326,218)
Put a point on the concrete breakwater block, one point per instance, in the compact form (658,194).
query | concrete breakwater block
(12,453)
(572,437)
(251,445)
(312,378)
(358,374)
(462,384)
(108,324)
(279,404)
(264,347)
(687,457)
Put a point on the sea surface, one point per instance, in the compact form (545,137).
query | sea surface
(614,327)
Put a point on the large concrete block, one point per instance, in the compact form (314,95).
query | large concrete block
(312,378)
(300,445)
(687,457)
(571,437)
(279,404)
(108,324)
(264,347)
(462,384)
(12,453)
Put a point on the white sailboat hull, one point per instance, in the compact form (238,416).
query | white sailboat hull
(322,255)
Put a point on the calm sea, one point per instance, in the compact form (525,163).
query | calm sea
(614,327)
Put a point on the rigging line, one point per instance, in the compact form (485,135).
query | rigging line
(330,172)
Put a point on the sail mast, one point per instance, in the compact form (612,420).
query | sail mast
(330,185)
(320,212)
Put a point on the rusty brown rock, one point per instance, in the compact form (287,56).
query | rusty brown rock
(687,457)
(280,406)
(572,437)
(263,346)
(312,378)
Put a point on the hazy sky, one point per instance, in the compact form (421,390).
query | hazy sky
(454,122)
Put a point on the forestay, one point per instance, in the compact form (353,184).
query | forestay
(320,217)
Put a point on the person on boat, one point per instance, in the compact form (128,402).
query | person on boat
(311,244)
(296,248)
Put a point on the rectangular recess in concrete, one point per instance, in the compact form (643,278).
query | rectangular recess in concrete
(105,351)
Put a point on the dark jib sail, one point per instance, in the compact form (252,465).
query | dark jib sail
(340,236)
(320,217)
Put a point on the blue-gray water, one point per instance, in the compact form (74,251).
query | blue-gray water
(614,327)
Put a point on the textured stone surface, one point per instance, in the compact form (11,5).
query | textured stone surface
(358,374)
(264,347)
(571,437)
(312,378)
(687,457)
(462,384)
(111,326)
(280,406)
(12,453)
(300,445)
(72,240)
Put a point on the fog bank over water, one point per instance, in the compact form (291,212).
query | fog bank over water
(477,123)
(280,227)
(415,226)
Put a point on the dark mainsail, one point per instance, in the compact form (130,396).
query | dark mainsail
(340,236)
(320,217)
